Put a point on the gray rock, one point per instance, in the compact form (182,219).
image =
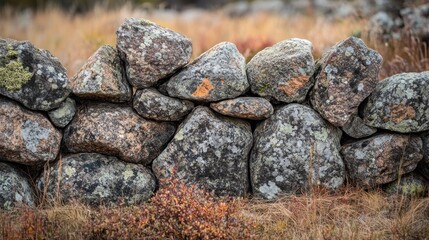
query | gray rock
(96,179)
(283,71)
(410,185)
(118,131)
(62,116)
(417,20)
(400,103)
(345,76)
(209,150)
(294,149)
(151,104)
(151,52)
(216,75)
(253,108)
(382,158)
(356,128)
(102,78)
(383,27)
(423,166)
(26,137)
(15,189)
(31,76)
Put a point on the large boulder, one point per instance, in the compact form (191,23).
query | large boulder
(345,75)
(283,71)
(31,76)
(26,137)
(117,131)
(294,149)
(400,103)
(216,75)
(382,158)
(253,108)
(62,116)
(151,52)
(15,189)
(96,179)
(209,150)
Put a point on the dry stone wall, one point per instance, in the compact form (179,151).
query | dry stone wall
(141,113)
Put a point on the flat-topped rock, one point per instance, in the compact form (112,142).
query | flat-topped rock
(253,108)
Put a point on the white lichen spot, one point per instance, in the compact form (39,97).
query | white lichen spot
(280,179)
(349,51)
(360,87)
(51,69)
(69,171)
(127,174)
(269,190)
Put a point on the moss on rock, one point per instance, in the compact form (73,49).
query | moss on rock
(13,76)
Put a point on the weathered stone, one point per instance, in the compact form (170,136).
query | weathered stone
(383,27)
(423,166)
(209,150)
(15,188)
(400,103)
(62,116)
(411,185)
(31,76)
(283,71)
(151,104)
(382,158)
(97,179)
(151,52)
(216,75)
(294,149)
(417,20)
(253,108)
(356,128)
(26,137)
(117,131)
(345,75)
(102,78)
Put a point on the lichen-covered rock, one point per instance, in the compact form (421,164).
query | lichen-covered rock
(102,78)
(15,188)
(356,128)
(26,137)
(416,20)
(216,75)
(411,185)
(283,71)
(400,103)
(117,131)
(151,52)
(423,166)
(294,149)
(382,158)
(62,116)
(345,75)
(210,151)
(151,104)
(31,76)
(383,27)
(253,108)
(97,179)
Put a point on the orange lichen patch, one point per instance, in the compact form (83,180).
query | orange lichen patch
(293,85)
(203,89)
(222,81)
(401,112)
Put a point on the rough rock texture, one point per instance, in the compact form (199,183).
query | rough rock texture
(283,71)
(31,76)
(97,179)
(62,116)
(151,52)
(400,103)
(423,166)
(345,75)
(151,104)
(117,131)
(102,78)
(210,151)
(382,158)
(26,137)
(417,20)
(253,108)
(293,146)
(356,128)
(411,185)
(216,75)
(15,189)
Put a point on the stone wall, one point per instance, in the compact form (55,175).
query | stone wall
(142,113)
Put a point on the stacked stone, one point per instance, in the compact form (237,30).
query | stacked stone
(140,113)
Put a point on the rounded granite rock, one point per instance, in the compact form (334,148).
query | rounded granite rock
(410,185)
(15,189)
(254,108)
(62,116)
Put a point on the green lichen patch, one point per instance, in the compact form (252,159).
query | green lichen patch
(13,76)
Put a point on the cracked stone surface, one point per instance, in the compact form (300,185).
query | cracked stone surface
(15,189)
(254,108)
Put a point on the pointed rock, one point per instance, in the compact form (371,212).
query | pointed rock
(253,108)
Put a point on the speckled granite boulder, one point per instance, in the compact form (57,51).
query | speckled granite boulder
(102,78)
(293,146)
(283,71)
(151,52)
(216,75)
(117,131)
(151,104)
(356,128)
(31,76)
(15,188)
(97,179)
(26,137)
(400,103)
(209,150)
(382,158)
(253,108)
(423,166)
(62,116)
(345,75)
(411,185)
